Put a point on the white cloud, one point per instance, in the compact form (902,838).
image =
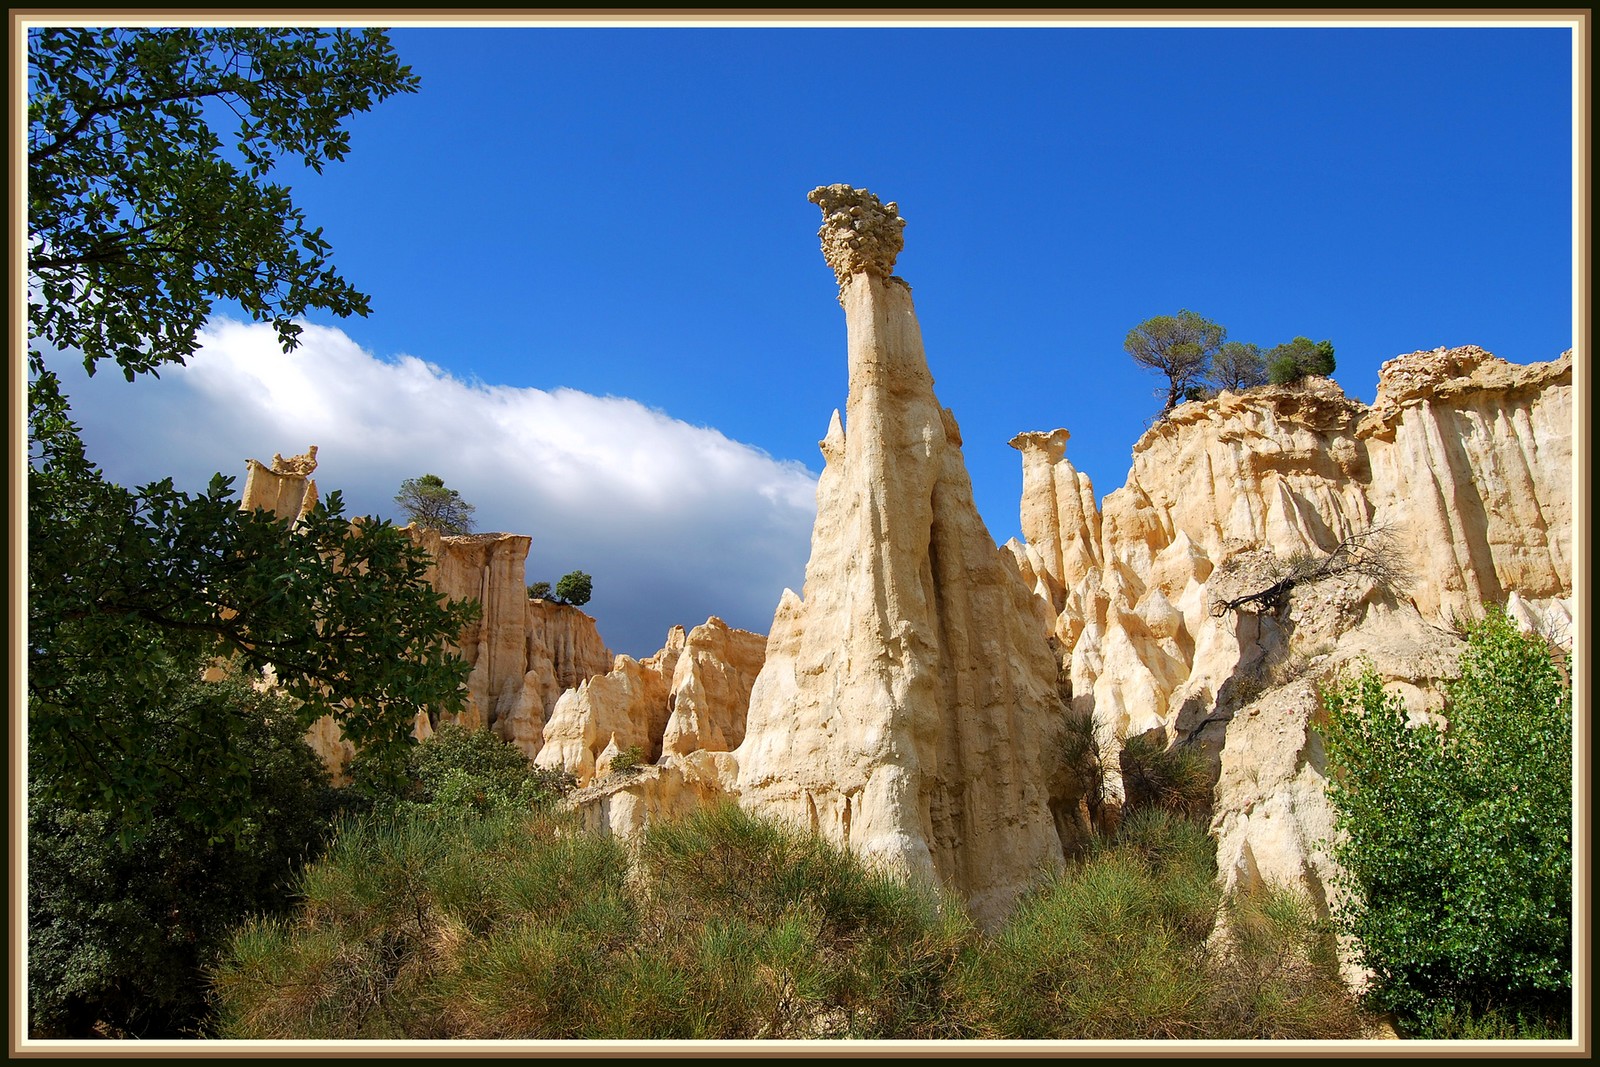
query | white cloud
(675,522)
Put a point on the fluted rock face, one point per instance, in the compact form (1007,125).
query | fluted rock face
(564,651)
(711,684)
(524,653)
(908,705)
(284,488)
(609,714)
(687,700)
(1463,463)
(488,568)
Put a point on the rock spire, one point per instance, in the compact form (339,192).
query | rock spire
(908,705)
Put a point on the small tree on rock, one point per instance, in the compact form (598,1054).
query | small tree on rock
(1238,365)
(575,589)
(1294,360)
(1180,346)
(429,502)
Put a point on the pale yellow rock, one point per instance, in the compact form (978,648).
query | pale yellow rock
(625,805)
(908,705)
(623,709)
(523,653)
(285,488)
(1464,461)
(687,700)
(710,694)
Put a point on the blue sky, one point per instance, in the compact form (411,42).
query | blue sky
(622,213)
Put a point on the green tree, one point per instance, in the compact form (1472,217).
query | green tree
(539,591)
(139,220)
(1179,346)
(1294,360)
(427,501)
(121,930)
(575,588)
(1238,365)
(126,588)
(456,771)
(1457,843)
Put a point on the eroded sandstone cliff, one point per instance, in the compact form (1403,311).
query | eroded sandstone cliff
(690,697)
(524,653)
(1453,489)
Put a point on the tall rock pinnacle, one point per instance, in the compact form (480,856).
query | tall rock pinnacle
(908,705)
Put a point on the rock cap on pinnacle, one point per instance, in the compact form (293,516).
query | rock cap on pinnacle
(860,234)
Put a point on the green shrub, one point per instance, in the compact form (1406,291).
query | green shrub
(458,769)
(1294,360)
(1172,778)
(518,925)
(122,922)
(1458,843)
(628,761)
(1123,946)
(403,916)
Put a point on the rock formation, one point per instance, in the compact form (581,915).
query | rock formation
(688,699)
(285,488)
(908,704)
(524,653)
(1457,482)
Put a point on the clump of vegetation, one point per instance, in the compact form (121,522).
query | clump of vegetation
(1171,778)
(574,588)
(427,501)
(123,920)
(1294,360)
(1198,360)
(458,771)
(629,761)
(1458,841)
(1121,947)
(1151,773)
(518,925)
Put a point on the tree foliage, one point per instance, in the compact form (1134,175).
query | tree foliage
(140,217)
(1458,842)
(122,928)
(427,501)
(1179,346)
(124,586)
(575,588)
(1238,365)
(1294,360)
(457,771)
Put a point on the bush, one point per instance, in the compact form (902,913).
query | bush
(458,770)
(1120,947)
(1171,778)
(404,915)
(1289,362)
(575,588)
(122,922)
(1458,843)
(517,925)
